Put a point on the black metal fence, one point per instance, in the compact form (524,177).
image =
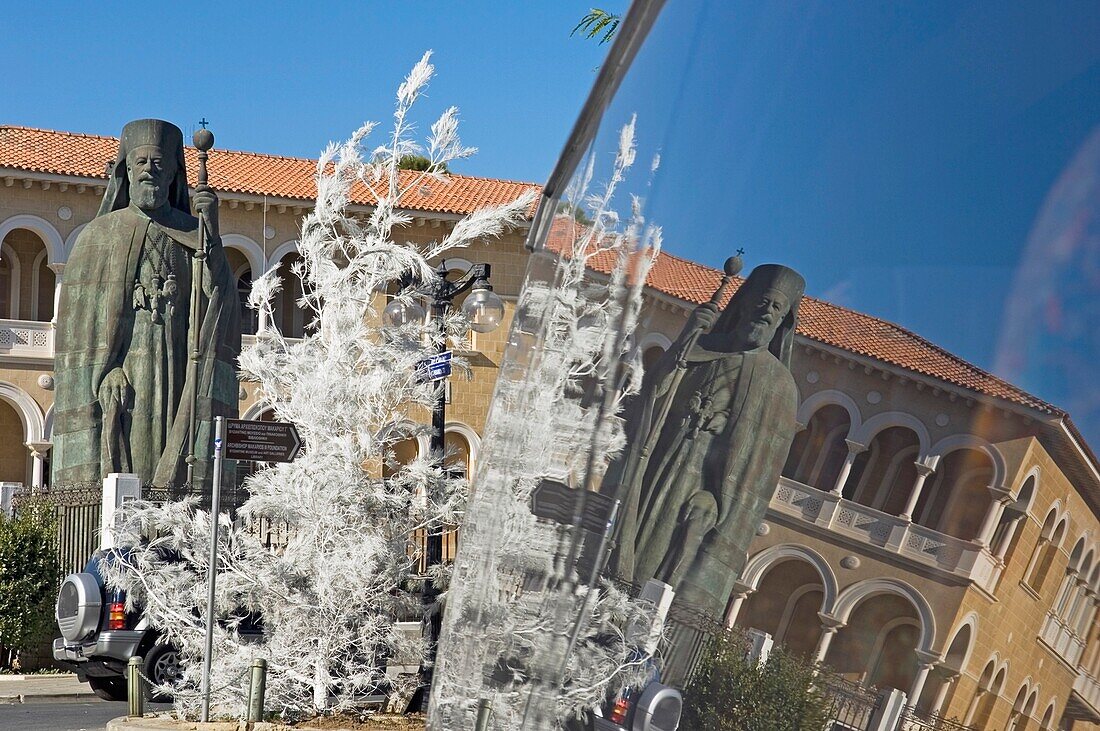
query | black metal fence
(851,706)
(77,509)
(912,720)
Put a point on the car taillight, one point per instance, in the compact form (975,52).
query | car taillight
(620,710)
(116,616)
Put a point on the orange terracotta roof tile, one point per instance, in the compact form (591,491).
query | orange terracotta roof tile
(826,323)
(247,173)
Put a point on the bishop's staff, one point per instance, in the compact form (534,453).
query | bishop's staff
(204,140)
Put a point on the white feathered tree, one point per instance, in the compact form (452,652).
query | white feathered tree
(329,601)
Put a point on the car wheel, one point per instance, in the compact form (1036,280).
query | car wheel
(109,689)
(162,667)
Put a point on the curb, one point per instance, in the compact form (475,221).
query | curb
(24,698)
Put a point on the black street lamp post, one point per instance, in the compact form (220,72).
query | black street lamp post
(484,310)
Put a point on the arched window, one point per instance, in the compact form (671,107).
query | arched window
(785,605)
(6,282)
(1047,723)
(883,476)
(1007,536)
(292,320)
(819,450)
(985,697)
(1061,604)
(249,316)
(1017,717)
(989,689)
(1042,558)
(958,498)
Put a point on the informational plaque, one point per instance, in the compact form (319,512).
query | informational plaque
(261,441)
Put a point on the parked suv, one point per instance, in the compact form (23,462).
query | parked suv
(98,635)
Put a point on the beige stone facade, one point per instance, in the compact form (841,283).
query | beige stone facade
(924,536)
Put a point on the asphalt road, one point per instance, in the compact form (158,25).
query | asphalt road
(89,715)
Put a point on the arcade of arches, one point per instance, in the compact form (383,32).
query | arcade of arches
(890,474)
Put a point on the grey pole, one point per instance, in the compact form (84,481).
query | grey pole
(135,688)
(212,573)
(257,687)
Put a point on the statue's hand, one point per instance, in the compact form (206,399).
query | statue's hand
(703,318)
(205,203)
(114,391)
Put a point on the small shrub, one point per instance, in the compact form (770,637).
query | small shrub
(29,578)
(730,692)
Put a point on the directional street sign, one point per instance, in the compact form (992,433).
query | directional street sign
(556,501)
(434,368)
(261,441)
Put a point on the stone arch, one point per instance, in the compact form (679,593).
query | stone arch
(47,425)
(70,240)
(654,340)
(252,251)
(1077,554)
(856,593)
(36,285)
(276,256)
(255,410)
(15,271)
(830,397)
(956,655)
(881,422)
(990,684)
(34,424)
(55,245)
(1047,723)
(473,441)
(875,658)
(969,441)
(759,564)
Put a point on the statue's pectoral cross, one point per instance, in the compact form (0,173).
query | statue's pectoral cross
(159,298)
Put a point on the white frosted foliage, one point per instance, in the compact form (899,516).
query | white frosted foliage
(329,600)
(525,630)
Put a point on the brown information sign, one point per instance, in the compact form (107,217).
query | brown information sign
(558,502)
(261,441)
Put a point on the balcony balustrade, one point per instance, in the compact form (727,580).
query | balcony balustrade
(1087,688)
(26,339)
(1059,637)
(887,533)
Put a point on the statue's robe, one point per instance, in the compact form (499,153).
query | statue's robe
(103,324)
(729,427)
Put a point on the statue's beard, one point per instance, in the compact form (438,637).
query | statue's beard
(757,334)
(147,195)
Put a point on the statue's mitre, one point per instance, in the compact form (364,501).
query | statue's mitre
(777,277)
(164,135)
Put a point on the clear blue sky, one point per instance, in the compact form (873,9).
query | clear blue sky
(287,77)
(906,157)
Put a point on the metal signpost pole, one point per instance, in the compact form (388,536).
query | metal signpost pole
(212,573)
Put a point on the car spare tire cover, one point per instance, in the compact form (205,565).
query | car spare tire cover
(79,604)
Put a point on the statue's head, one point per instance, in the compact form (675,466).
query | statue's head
(149,168)
(763,311)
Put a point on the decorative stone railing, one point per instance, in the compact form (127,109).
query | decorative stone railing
(1088,689)
(889,533)
(1060,638)
(26,339)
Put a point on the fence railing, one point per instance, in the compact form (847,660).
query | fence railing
(851,706)
(912,720)
(77,510)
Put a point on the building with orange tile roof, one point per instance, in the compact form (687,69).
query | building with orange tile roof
(935,530)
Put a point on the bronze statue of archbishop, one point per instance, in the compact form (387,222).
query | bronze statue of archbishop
(707,438)
(126,330)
